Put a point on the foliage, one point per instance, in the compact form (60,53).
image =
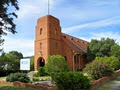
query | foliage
(99,48)
(16,54)
(32,63)
(41,71)
(10,61)
(55,64)
(115,51)
(97,69)
(6,72)
(1,43)
(36,75)
(35,79)
(22,77)
(112,61)
(42,78)
(7,16)
(71,81)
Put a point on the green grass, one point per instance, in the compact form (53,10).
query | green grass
(2,78)
(6,87)
(105,86)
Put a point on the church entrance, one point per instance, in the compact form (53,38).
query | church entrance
(41,62)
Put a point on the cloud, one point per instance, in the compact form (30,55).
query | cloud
(98,36)
(97,24)
(34,8)
(31,8)
(25,46)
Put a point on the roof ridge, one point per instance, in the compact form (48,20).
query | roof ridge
(73,37)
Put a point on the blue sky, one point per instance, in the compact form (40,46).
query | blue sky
(85,19)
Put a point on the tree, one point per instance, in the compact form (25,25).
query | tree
(99,48)
(1,43)
(55,64)
(16,54)
(112,61)
(10,61)
(7,17)
(115,51)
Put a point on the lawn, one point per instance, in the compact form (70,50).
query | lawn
(2,78)
(105,86)
(6,87)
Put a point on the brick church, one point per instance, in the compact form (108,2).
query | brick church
(49,40)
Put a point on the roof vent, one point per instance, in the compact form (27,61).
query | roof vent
(64,36)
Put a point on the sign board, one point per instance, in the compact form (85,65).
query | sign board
(25,64)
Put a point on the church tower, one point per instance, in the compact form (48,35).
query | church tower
(48,40)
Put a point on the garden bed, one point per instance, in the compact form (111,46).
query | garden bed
(47,85)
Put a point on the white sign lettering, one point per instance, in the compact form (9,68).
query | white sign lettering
(24,64)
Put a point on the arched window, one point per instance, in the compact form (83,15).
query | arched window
(55,31)
(65,58)
(40,45)
(41,31)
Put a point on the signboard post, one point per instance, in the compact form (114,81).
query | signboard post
(24,64)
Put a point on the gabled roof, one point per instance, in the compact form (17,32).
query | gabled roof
(75,44)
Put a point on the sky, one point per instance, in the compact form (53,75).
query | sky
(85,19)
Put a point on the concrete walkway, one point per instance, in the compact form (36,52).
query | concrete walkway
(115,86)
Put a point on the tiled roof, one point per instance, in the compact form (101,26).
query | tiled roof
(75,44)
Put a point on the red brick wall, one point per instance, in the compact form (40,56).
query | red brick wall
(48,38)
(66,51)
(52,43)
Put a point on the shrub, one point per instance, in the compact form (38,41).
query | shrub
(22,77)
(55,64)
(36,75)
(96,70)
(41,71)
(35,79)
(71,81)
(6,72)
(112,61)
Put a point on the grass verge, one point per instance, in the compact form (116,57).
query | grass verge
(6,87)
(2,78)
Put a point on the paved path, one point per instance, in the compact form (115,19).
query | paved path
(115,86)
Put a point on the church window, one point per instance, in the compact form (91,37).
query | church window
(40,45)
(55,31)
(76,59)
(41,31)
